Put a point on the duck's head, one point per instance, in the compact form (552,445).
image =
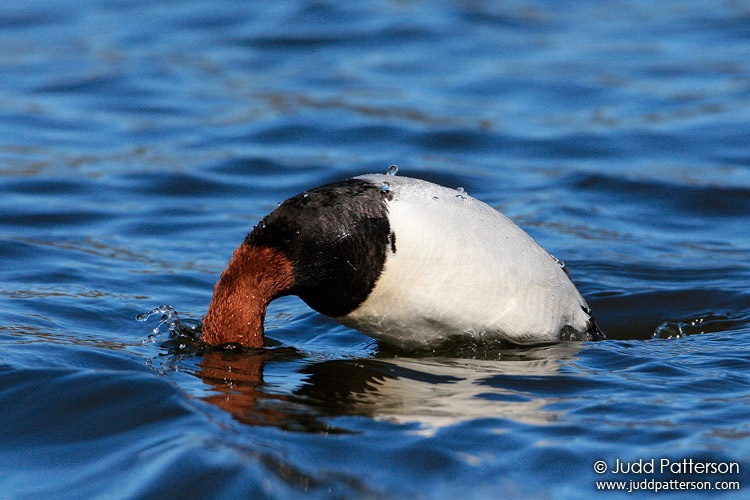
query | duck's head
(326,245)
(254,277)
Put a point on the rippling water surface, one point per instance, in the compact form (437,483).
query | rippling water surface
(140,142)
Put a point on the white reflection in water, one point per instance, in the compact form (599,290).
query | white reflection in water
(438,392)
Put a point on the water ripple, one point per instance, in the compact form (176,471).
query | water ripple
(141,142)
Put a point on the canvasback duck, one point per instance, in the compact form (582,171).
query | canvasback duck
(403,260)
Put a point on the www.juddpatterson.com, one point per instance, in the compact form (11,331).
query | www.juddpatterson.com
(665,466)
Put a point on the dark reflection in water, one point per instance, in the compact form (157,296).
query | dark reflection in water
(237,380)
(432,392)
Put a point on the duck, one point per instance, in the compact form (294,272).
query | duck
(408,262)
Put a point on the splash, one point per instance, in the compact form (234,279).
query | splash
(186,333)
(170,318)
(680,329)
(181,346)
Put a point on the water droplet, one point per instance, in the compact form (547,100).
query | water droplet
(385,187)
(668,330)
(305,194)
(560,263)
(461,193)
(152,337)
(392,170)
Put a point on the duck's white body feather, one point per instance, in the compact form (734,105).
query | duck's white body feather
(461,268)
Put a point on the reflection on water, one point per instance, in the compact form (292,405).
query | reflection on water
(460,383)
(431,392)
(237,380)
(238,388)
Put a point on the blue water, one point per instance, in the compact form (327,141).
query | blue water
(140,141)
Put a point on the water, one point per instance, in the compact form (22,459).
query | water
(141,141)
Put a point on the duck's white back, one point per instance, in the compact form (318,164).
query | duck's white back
(462,268)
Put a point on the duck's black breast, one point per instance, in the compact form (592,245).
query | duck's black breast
(337,237)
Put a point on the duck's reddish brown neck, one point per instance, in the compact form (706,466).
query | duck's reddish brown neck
(253,278)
